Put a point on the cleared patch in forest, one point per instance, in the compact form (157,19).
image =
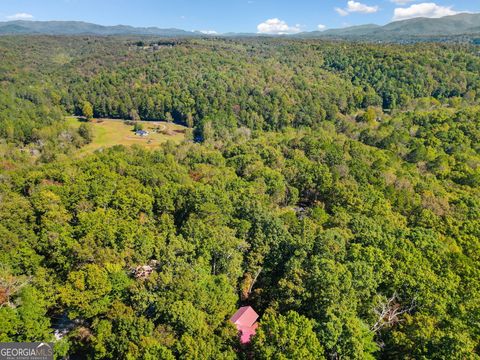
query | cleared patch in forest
(111,132)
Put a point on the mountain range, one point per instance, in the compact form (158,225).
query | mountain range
(83,28)
(460,24)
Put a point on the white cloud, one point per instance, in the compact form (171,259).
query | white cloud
(428,10)
(401,2)
(341,12)
(20,16)
(209,32)
(356,7)
(321,27)
(278,27)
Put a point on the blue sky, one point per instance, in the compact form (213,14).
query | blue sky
(268,16)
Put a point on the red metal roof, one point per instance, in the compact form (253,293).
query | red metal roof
(246,332)
(244,319)
(245,316)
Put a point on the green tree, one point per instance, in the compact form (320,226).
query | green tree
(369,116)
(190,121)
(138,126)
(86,132)
(289,336)
(133,114)
(87,110)
(86,292)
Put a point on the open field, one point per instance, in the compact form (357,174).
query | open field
(110,132)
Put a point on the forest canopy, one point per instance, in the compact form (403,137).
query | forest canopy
(332,186)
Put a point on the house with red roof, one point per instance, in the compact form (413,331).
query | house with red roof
(245,321)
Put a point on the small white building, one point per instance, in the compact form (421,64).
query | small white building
(142,133)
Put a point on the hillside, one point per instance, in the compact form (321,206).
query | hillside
(411,28)
(344,32)
(334,187)
(449,25)
(396,31)
(83,28)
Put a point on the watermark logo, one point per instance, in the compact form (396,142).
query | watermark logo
(26,351)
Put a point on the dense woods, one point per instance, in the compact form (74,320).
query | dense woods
(262,84)
(332,186)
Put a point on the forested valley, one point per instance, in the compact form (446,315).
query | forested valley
(332,186)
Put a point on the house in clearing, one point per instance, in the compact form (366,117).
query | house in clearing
(245,321)
(141,133)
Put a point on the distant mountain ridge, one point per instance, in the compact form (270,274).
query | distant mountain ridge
(83,28)
(459,24)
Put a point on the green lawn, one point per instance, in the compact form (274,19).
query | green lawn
(108,132)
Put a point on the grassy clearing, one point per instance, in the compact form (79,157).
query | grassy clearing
(108,132)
